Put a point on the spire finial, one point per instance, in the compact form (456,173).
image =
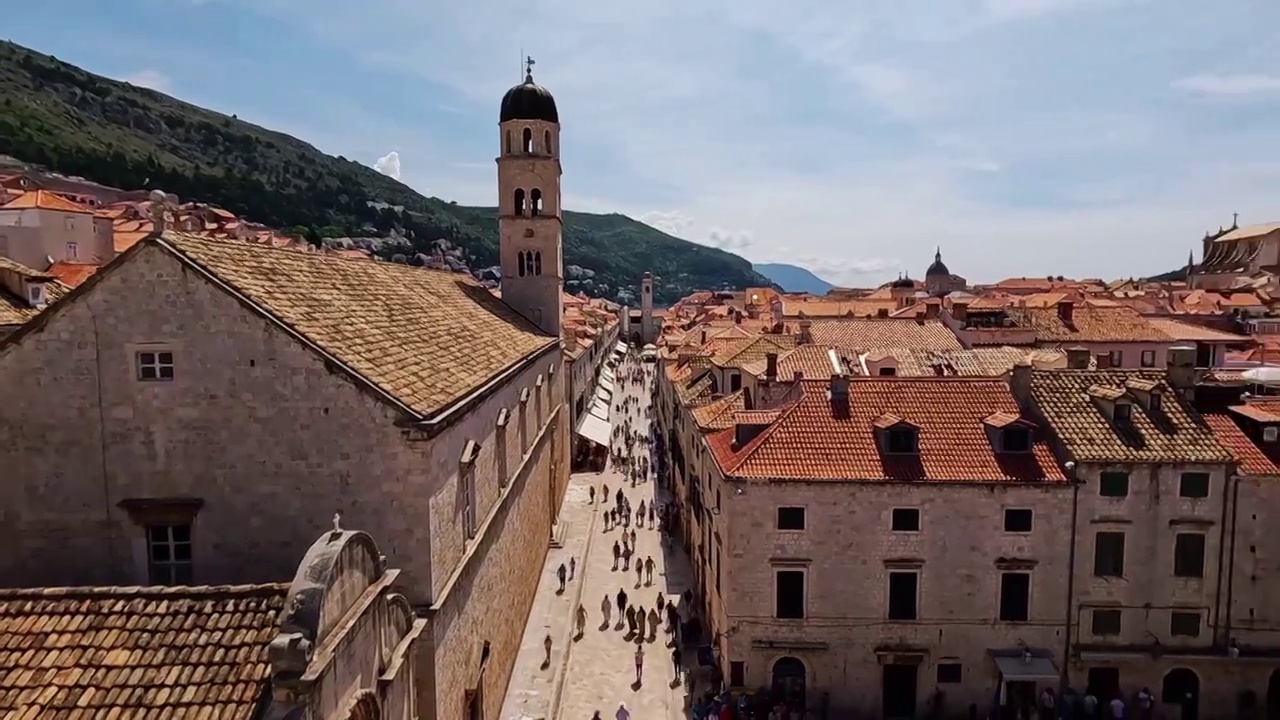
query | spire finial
(937,255)
(1235,220)
(529,62)
(337,522)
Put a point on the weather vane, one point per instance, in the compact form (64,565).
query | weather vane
(528,65)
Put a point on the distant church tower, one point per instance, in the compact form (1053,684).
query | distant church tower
(647,334)
(529,219)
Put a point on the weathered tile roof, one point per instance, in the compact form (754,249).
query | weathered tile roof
(136,653)
(816,362)
(757,348)
(1088,324)
(45,200)
(1072,402)
(16,310)
(883,334)
(696,392)
(424,337)
(1252,459)
(1190,332)
(817,438)
(72,274)
(718,414)
(976,362)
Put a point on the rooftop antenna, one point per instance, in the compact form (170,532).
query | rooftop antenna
(522,58)
(1235,217)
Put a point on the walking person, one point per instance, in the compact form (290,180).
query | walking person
(606,521)
(651,516)
(633,537)
(639,572)
(653,622)
(617,554)
(631,620)
(661,601)
(675,660)
(592,494)
(546,643)
(640,622)
(582,620)
(639,663)
(648,568)
(573,566)
(605,607)
(561,573)
(623,713)
(622,602)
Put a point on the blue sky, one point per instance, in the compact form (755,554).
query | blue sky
(1026,137)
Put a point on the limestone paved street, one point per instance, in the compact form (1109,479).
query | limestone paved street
(599,669)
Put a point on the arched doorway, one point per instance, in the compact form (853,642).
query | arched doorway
(365,707)
(1273,695)
(1181,688)
(789,682)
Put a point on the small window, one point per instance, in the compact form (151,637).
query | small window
(949,673)
(467,478)
(1015,439)
(905,520)
(887,372)
(1123,413)
(1188,555)
(1108,554)
(737,673)
(73,251)
(1105,622)
(902,440)
(1148,358)
(1194,485)
(791,518)
(1184,624)
(1155,402)
(155,365)
(904,589)
(1015,596)
(1117,358)
(169,554)
(69,222)
(789,594)
(1113,484)
(1270,434)
(735,382)
(1017,520)
(36,295)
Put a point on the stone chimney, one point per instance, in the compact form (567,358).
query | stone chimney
(799,376)
(959,311)
(806,334)
(771,366)
(1078,358)
(704,337)
(931,310)
(1182,370)
(840,387)
(1067,311)
(1020,382)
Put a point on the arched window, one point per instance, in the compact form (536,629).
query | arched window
(528,141)
(519,198)
(520,263)
(508,142)
(535,202)
(537,262)
(546,142)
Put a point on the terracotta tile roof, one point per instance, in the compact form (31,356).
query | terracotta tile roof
(976,362)
(757,348)
(1088,324)
(424,337)
(1190,332)
(816,362)
(718,414)
(1251,458)
(696,392)
(1263,411)
(15,310)
(136,653)
(45,200)
(122,241)
(72,274)
(877,334)
(818,438)
(1073,402)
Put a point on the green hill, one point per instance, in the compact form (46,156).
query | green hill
(76,123)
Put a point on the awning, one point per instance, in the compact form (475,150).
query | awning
(606,381)
(620,348)
(603,393)
(594,429)
(1025,668)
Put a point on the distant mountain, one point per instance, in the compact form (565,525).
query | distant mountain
(793,278)
(70,121)
(1171,276)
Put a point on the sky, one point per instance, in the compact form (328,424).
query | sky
(1087,138)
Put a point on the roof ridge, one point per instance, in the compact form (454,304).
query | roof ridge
(86,592)
(293,250)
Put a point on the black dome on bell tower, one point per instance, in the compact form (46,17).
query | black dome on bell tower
(529,101)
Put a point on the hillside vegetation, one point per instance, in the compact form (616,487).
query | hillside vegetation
(73,122)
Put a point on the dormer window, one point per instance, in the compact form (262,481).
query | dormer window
(1155,402)
(901,440)
(36,295)
(1015,439)
(1122,413)
(1270,434)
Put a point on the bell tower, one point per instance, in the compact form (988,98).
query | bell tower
(529,218)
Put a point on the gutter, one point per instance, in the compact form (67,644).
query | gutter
(1222,553)
(1065,674)
(1231,554)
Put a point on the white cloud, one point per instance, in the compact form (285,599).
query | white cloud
(152,79)
(389,165)
(1230,85)
(856,134)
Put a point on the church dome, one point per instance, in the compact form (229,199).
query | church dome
(529,101)
(938,267)
(904,283)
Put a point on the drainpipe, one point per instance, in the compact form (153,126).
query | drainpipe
(1064,672)
(1231,554)
(1222,556)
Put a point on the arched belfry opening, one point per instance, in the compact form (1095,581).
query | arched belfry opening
(537,262)
(520,266)
(546,142)
(528,141)
(535,202)
(519,201)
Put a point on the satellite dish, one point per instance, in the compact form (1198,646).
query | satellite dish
(1263,376)
(158,196)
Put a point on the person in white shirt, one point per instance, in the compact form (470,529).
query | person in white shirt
(623,713)
(1117,708)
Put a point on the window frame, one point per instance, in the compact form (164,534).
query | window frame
(172,566)
(888,595)
(1109,572)
(1098,615)
(893,519)
(949,679)
(1176,615)
(1113,476)
(1000,616)
(804,591)
(1144,361)
(804,518)
(902,432)
(1198,571)
(1030,514)
(150,365)
(1207,478)
(1016,431)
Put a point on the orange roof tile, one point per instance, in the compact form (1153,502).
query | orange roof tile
(122,241)
(1190,332)
(72,274)
(137,652)
(816,362)
(820,438)
(1250,458)
(1088,324)
(718,414)
(867,334)
(45,200)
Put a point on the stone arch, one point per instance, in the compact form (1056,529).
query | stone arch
(519,204)
(1181,687)
(788,677)
(546,142)
(399,617)
(521,267)
(364,706)
(508,145)
(535,201)
(527,141)
(337,568)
